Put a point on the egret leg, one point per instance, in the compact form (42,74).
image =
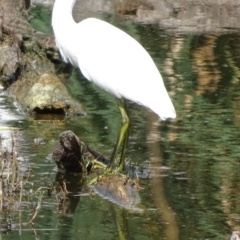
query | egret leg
(122,137)
(122,140)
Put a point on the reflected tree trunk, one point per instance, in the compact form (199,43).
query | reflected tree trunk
(165,211)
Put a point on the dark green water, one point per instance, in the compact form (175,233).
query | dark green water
(190,176)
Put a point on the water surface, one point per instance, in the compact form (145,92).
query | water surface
(190,165)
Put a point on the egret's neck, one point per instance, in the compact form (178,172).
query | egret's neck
(64,28)
(62,14)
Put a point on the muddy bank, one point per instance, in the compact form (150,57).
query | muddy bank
(196,16)
(28,63)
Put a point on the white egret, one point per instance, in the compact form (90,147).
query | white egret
(114,61)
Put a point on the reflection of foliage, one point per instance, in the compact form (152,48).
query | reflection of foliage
(127,25)
(101,107)
(203,185)
(41,18)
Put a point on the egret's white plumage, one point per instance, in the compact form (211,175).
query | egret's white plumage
(110,58)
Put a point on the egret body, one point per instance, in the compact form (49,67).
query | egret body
(111,59)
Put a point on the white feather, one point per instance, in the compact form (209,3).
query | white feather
(110,58)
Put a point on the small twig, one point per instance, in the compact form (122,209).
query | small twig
(21,193)
(39,189)
(38,207)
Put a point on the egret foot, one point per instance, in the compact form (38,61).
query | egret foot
(96,164)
